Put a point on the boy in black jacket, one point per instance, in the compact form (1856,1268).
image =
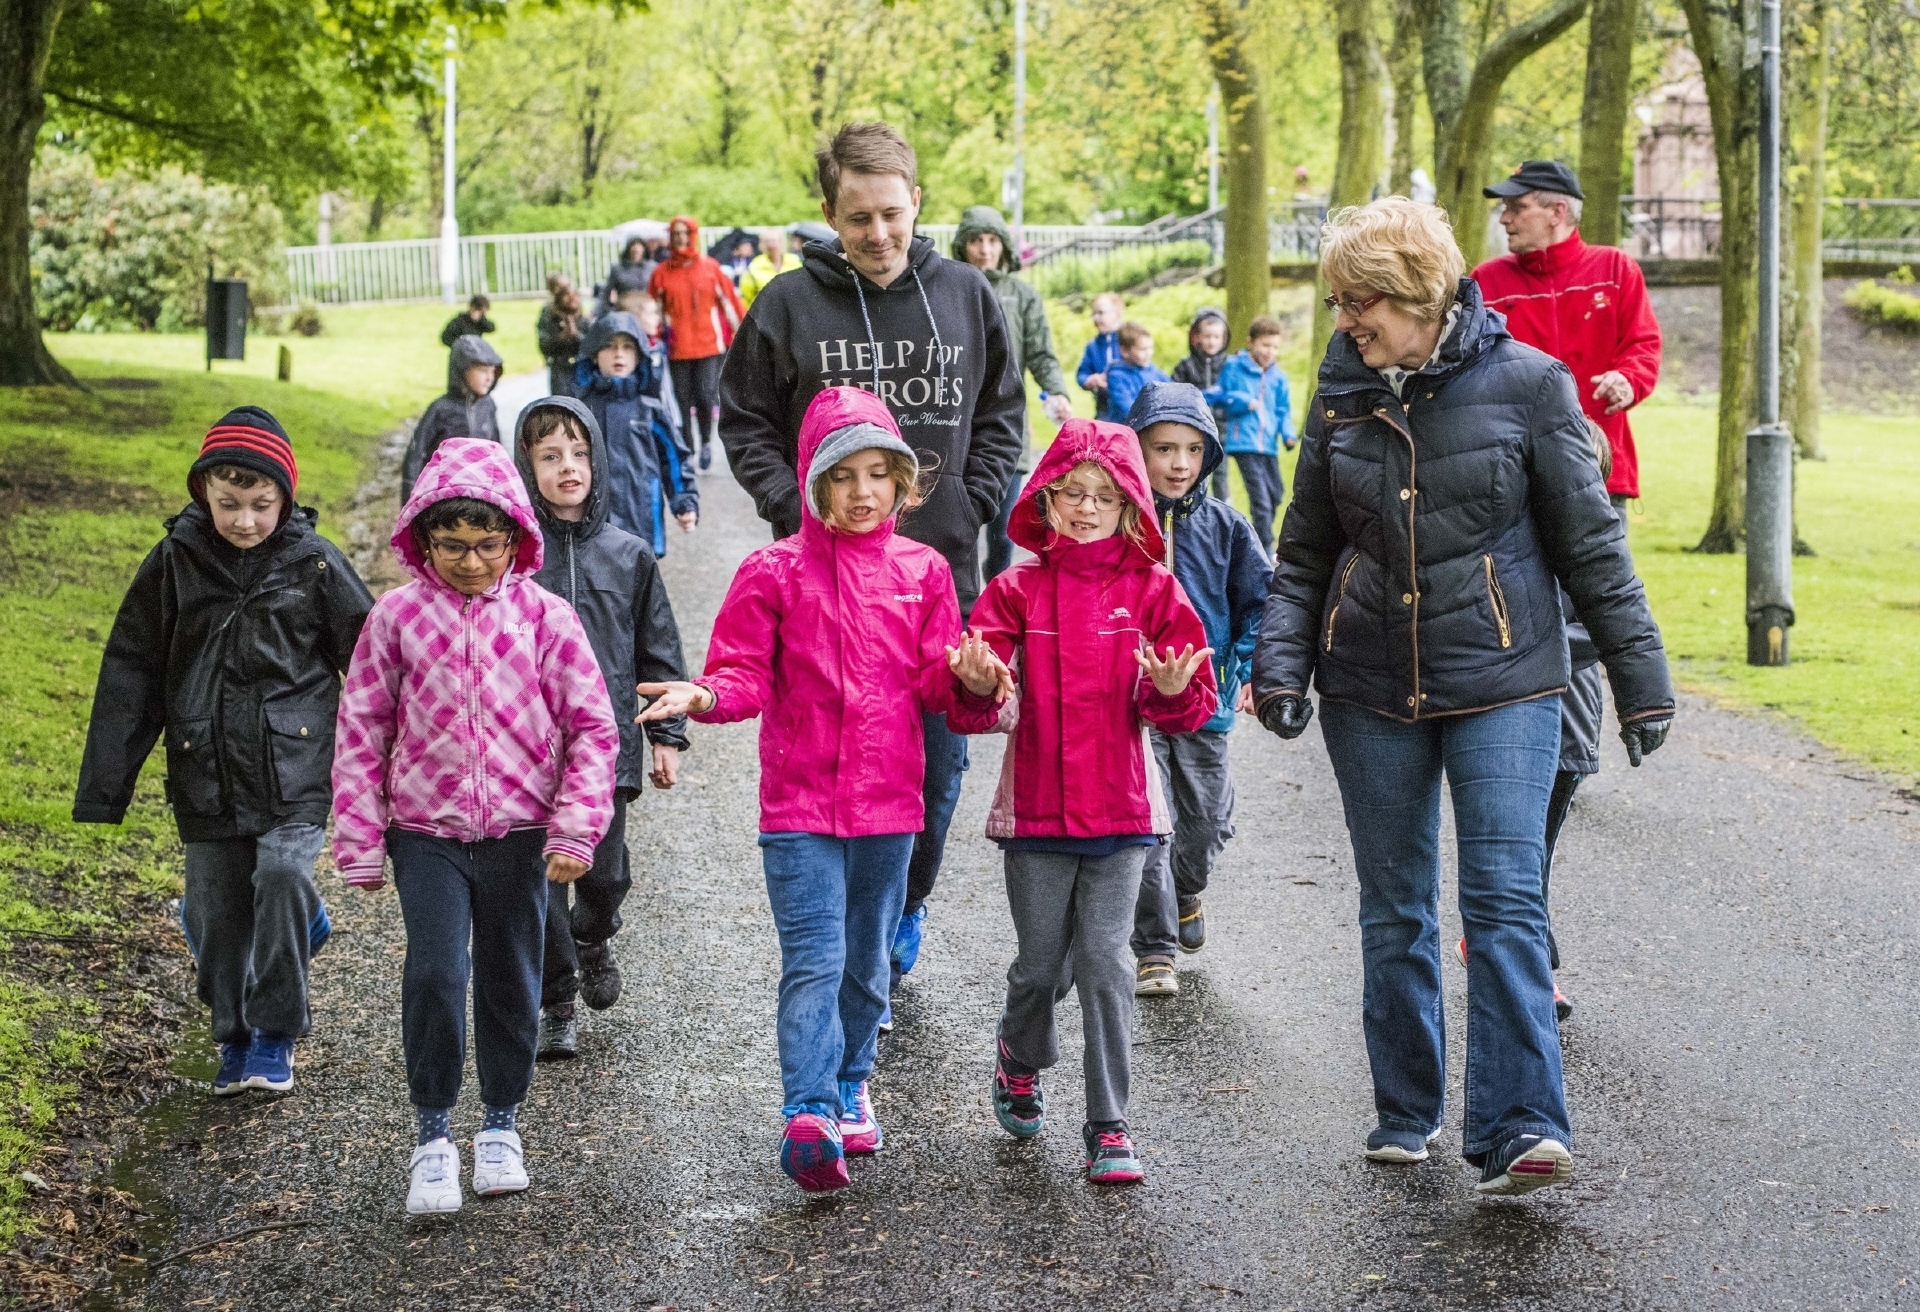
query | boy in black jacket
(610,578)
(232,640)
(1206,352)
(473,370)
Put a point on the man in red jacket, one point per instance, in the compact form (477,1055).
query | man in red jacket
(1585,306)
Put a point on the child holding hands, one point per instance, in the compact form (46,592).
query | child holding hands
(475,739)
(841,634)
(1075,634)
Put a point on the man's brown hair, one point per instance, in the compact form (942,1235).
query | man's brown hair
(1131,334)
(1263,325)
(863,148)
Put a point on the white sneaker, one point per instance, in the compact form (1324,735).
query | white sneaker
(499,1164)
(435,1187)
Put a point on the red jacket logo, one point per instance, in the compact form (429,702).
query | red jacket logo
(1600,301)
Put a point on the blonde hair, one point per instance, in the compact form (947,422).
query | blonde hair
(1130,519)
(1396,246)
(1109,298)
(1131,334)
(907,483)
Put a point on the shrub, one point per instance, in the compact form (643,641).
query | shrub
(130,250)
(1898,311)
(305,320)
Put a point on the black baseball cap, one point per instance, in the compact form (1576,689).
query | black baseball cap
(1537,175)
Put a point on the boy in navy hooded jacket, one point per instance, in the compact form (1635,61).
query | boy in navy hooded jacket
(621,388)
(1213,552)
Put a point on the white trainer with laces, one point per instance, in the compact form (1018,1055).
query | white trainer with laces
(499,1163)
(435,1186)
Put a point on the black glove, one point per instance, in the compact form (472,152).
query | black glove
(1287,715)
(1643,737)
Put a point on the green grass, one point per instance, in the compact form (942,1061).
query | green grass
(87,478)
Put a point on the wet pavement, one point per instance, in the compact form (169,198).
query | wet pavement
(1738,922)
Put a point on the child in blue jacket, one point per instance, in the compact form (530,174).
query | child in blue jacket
(1103,352)
(1218,562)
(1133,371)
(1252,393)
(647,480)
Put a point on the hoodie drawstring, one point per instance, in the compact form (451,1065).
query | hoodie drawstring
(873,343)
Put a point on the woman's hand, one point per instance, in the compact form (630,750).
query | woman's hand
(979,667)
(1171,676)
(564,869)
(671,699)
(666,766)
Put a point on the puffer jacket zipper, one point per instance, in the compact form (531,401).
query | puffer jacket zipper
(1408,494)
(1339,597)
(1498,600)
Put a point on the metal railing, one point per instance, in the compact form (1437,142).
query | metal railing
(1675,228)
(1858,229)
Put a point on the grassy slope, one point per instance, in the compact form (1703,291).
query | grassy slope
(88,478)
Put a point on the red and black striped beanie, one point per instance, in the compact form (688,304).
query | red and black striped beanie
(250,438)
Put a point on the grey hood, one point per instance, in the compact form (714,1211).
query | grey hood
(604,329)
(597,508)
(469,350)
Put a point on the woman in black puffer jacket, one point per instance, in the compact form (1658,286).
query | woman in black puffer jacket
(1446,494)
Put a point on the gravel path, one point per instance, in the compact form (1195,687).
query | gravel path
(1738,920)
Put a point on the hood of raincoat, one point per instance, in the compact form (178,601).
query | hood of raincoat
(1179,403)
(1200,316)
(981,219)
(469,467)
(692,254)
(468,350)
(1116,449)
(833,409)
(607,327)
(596,517)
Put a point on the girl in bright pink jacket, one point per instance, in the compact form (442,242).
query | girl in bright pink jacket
(476,746)
(840,636)
(1095,640)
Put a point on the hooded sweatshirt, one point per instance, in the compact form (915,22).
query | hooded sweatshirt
(841,639)
(1198,367)
(700,301)
(1212,549)
(1029,335)
(471,717)
(645,479)
(612,582)
(1069,622)
(933,345)
(459,413)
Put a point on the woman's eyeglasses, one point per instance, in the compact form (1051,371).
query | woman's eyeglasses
(1102,501)
(489,551)
(1351,308)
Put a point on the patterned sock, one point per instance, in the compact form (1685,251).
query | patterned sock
(500,1118)
(435,1123)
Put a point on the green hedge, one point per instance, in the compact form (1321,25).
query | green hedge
(1897,310)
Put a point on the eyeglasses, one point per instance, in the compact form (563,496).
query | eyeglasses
(489,551)
(1102,501)
(1351,308)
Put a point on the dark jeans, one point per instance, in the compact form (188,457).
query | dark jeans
(492,893)
(696,385)
(999,545)
(1199,788)
(836,903)
(593,917)
(946,764)
(1499,767)
(1564,785)
(247,908)
(1266,490)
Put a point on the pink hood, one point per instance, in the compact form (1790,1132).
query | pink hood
(840,639)
(1116,449)
(470,717)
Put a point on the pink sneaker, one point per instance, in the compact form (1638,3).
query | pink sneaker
(811,1155)
(859,1131)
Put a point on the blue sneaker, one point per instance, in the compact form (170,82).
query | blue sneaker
(269,1063)
(319,930)
(906,939)
(232,1078)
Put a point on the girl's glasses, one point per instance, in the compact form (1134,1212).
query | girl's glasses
(1102,501)
(489,551)
(1351,308)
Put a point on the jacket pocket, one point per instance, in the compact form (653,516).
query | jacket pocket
(193,767)
(1498,600)
(300,740)
(1340,596)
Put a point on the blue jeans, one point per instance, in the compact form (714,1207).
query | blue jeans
(1266,492)
(999,545)
(836,903)
(946,763)
(1499,766)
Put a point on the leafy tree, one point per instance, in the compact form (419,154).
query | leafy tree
(1603,115)
(1363,143)
(1249,281)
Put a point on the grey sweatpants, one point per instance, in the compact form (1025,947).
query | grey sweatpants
(1193,767)
(1071,915)
(248,907)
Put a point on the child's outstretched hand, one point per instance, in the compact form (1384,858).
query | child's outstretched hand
(979,667)
(564,869)
(671,699)
(1171,676)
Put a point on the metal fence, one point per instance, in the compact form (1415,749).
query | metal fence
(1672,228)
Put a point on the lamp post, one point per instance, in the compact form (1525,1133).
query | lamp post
(1769,444)
(449,225)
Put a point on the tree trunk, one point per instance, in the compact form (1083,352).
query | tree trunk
(1809,63)
(1363,145)
(1404,62)
(26,36)
(1464,93)
(1603,115)
(1719,38)
(1248,274)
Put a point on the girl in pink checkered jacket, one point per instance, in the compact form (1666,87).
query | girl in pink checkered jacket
(476,747)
